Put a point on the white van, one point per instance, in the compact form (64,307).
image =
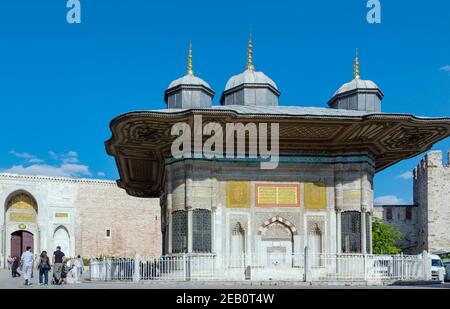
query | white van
(437,268)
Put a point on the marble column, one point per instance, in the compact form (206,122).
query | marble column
(190,231)
(189,207)
(339,205)
(363,233)
(338,232)
(169,209)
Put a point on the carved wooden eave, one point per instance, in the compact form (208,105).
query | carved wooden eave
(141,140)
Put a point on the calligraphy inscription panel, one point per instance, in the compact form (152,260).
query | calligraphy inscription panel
(276,195)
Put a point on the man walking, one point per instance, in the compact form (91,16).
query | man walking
(27,260)
(58,259)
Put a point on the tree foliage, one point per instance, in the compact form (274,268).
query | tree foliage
(385,237)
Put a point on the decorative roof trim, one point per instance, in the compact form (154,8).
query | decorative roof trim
(57,179)
(222,112)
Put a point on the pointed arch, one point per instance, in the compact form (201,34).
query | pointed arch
(61,227)
(279,219)
(20,196)
(61,238)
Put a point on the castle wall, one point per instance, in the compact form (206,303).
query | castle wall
(428,229)
(432,195)
(406,218)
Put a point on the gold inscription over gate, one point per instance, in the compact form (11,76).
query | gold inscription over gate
(238,194)
(315,196)
(22,208)
(62,215)
(270,195)
(22,217)
(22,202)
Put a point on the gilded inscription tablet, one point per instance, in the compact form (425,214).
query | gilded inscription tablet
(274,195)
(238,194)
(315,196)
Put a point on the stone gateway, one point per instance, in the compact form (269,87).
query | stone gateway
(79,215)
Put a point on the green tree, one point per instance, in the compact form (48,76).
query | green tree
(385,237)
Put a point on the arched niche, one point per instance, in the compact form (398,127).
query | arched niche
(61,237)
(237,245)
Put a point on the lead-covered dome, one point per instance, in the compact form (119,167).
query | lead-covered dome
(189,91)
(189,80)
(250,77)
(250,87)
(358,94)
(356,84)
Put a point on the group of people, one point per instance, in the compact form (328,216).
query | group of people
(65,271)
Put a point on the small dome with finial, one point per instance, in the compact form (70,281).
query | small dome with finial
(358,94)
(250,87)
(189,91)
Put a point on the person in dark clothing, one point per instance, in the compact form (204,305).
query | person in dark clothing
(15,266)
(58,260)
(44,267)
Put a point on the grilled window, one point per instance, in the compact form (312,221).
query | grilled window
(179,231)
(351,232)
(201,230)
(389,213)
(408,214)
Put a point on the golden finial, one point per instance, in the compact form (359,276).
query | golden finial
(250,55)
(189,67)
(356,67)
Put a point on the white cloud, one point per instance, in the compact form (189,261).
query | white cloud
(72,154)
(22,155)
(28,157)
(67,165)
(445,68)
(53,155)
(406,176)
(65,170)
(36,160)
(389,200)
(101,174)
(70,160)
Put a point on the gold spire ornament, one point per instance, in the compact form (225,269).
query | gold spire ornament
(250,55)
(356,67)
(190,71)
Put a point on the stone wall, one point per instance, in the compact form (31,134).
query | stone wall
(133,223)
(406,218)
(428,228)
(85,209)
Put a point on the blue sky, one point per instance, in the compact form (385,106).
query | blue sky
(61,84)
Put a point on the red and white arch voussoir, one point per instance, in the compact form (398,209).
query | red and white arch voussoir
(268,222)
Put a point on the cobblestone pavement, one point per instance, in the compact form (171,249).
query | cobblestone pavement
(7,282)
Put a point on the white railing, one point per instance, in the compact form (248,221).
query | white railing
(360,267)
(319,267)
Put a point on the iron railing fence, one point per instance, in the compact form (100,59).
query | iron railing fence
(296,267)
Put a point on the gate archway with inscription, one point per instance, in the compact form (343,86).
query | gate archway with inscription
(21,227)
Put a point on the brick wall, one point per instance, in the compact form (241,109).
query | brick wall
(134,223)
